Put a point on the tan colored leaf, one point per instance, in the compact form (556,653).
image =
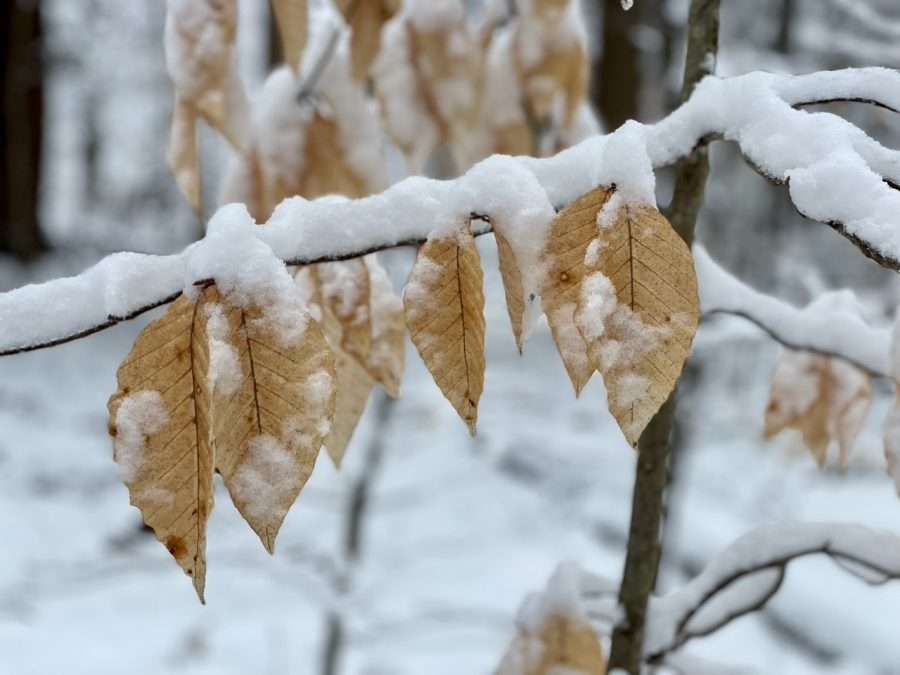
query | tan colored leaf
(292,17)
(563,645)
(387,358)
(353,383)
(638,311)
(570,235)
(825,399)
(366,19)
(183,156)
(273,407)
(512,286)
(346,293)
(444,303)
(160,423)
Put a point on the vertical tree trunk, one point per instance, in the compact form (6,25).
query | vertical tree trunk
(21,128)
(357,508)
(642,557)
(616,86)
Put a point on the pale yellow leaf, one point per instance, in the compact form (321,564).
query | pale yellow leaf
(160,423)
(353,383)
(570,235)
(823,398)
(444,304)
(512,286)
(346,292)
(183,156)
(292,17)
(387,357)
(563,645)
(366,19)
(273,418)
(638,311)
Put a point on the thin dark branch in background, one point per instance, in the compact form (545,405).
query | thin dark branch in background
(308,86)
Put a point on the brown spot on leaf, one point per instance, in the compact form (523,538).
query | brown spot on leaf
(176,546)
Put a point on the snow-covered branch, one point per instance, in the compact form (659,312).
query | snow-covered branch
(820,328)
(836,174)
(749,572)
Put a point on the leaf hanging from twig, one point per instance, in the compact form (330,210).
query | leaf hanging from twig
(366,19)
(292,17)
(512,287)
(562,644)
(160,423)
(271,415)
(825,399)
(388,355)
(570,235)
(444,303)
(638,310)
(346,292)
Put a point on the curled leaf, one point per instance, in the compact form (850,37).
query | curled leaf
(444,303)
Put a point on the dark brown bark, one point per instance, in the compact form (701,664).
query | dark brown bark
(642,557)
(21,127)
(617,77)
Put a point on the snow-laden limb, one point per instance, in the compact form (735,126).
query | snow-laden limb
(836,174)
(830,330)
(750,571)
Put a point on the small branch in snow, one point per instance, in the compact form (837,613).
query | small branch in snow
(715,598)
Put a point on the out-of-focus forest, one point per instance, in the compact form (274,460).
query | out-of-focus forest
(416,556)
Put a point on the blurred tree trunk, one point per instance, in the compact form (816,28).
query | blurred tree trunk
(21,127)
(783,40)
(616,86)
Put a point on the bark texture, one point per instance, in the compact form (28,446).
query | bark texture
(642,557)
(21,127)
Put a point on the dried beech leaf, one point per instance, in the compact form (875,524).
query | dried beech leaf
(564,645)
(570,235)
(346,293)
(292,17)
(638,311)
(273,406)
(160,423)
(512,286)
(444,303)
(366,19)
(183,155)
(353,384)
(387,358)
(825,399)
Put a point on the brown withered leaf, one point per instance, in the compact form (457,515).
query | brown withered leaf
(292,17)
(183,155)
(444,304)
(512,286)
(346,292)
(366,19)
(570,235)
(273,405)
(638,311)
(825,399)
(352,382)
(160,423)
(387,358)
(563,644)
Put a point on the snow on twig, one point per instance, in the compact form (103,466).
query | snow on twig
(836,174)
(828,331)
(750,571)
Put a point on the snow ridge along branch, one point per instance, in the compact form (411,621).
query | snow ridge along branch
(835,173)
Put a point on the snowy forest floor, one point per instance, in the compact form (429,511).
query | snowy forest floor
(458,532)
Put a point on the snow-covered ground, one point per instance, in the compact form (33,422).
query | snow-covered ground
(458,532)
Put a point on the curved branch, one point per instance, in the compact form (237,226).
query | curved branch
(828,330)
(766,549)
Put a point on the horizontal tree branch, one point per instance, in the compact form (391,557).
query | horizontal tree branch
(768,549)
(503,189)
